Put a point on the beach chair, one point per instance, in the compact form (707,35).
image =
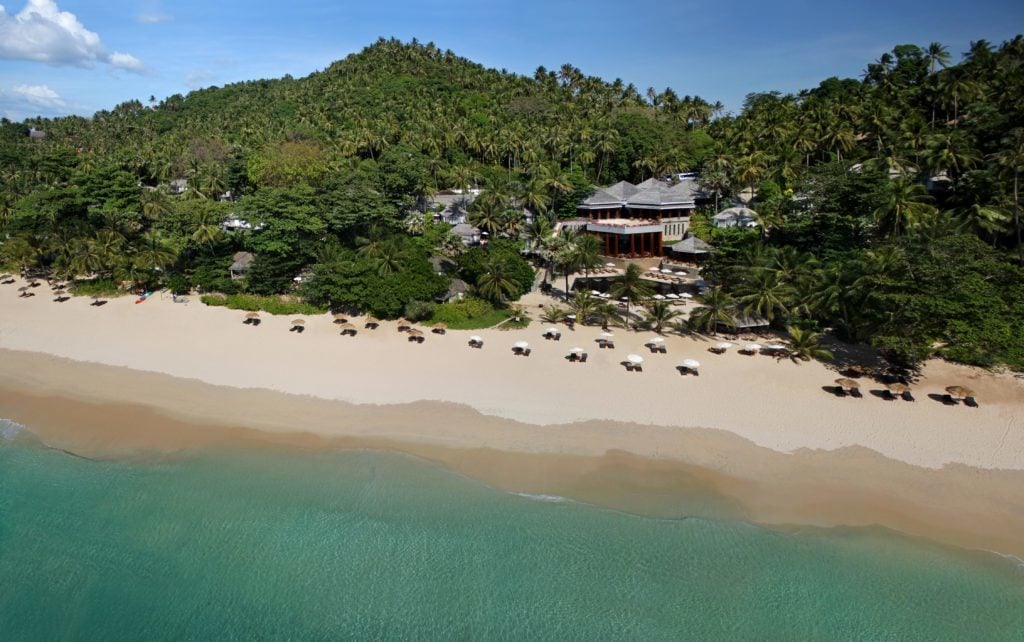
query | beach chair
(907,396)
(663,349)
(583,358)
(855,392)
(527,351)
(971,402)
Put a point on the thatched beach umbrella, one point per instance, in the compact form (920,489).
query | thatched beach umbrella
(413,332)
(252,315)
(298,322)
(847,384)
(339,317)
(345,327)
(371,323)
(959,392)
(897,388)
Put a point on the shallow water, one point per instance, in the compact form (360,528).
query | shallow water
(369,545)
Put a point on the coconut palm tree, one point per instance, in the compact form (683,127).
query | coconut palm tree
(764,295)
(1011,164)
(606,314)
(587,250)
(582,305)
(659,314)
(154,252)
(497,283)
(905,205)
(631,287)
(553,314)
(806,345)
(715,309)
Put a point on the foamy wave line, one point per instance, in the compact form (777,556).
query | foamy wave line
(552,499)
(10,429)
(1013,559)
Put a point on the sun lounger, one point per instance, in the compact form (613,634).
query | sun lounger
(907,396)
(583,358)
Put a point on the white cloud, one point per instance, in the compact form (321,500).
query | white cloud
(153,18)
(43,33)
(40,95)
(127,62)
(22,101)
(199,78)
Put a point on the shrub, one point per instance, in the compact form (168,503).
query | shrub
(469,314)
(269,304)
(418,310)
(95,287)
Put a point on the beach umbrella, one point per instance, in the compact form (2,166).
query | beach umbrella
(298,322)
(372,320)
(725,345)
(657,340)
(611,265)
(23,288)
(686,295)
(577,351)
(571,316)
(339,317)
(440,326)
(595,293)
(672,295)
(623,299)
(347,326)
(522,345)
(413,332)
(659,297)
(666,271)
(959,392)
(635,359)
(847,384)
(897,388)
(653,269)
(752,347)
(476,339)
(692,364)
(607,335)
(776,346)
(251,315)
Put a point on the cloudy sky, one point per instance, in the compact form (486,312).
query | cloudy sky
(75,56)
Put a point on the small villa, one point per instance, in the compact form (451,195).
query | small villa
(735,217)
(242,263)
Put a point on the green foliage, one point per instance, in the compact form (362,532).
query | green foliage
(268,304)
(419,310)
(475,265)
(95,287)
(469,314)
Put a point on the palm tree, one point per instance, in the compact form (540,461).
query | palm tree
(905,205)
(154,253)
(207,227)
(587,253)
(806,345)
(631,287)
(553,314)
(582,305)
(606,313)
(937,55)
(1011,162)
(496,283)
(716,309)
(764,295)
(659,314)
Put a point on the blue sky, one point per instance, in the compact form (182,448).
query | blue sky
(76,56)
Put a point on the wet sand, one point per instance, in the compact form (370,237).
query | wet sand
(103,411)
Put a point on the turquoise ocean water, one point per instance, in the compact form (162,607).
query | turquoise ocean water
(365,545)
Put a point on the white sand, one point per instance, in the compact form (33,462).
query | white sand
(776,404)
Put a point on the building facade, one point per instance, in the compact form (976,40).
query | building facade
(636,221)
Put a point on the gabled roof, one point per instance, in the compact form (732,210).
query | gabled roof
(734,213)
(242,261)
(465,229)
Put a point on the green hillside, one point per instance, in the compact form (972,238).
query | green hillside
(889,205)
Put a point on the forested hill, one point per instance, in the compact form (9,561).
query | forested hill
(888,206)
(451,110)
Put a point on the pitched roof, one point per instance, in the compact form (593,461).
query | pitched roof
(465,229)
(242,261)
(692,245)
(621,190)
(602,197)
(733,213)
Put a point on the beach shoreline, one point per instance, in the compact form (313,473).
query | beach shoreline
(693,473)
(752,438)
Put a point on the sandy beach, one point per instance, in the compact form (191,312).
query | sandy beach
(758,434)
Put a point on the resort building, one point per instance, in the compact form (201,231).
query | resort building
(636,221)
(735,217)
